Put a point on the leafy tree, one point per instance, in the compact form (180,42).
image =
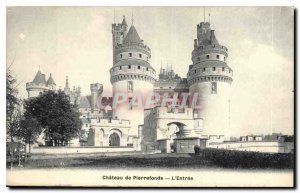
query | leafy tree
(30,129)
(13,112)
(54,112)
(11,95)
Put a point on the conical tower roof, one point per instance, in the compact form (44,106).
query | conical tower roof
(124,21)
(132,36)
(50,80)
(39,78)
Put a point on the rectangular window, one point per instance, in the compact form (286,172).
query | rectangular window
(121,55)
(224,58)
(120,67)
(130,103)
(130,86)
(140,55)
(147,68)
(207,56)
(218,56)
(213,88)
(139,67)
(203,70)
(130,54)
(223,69)
(214,68)
(129,67)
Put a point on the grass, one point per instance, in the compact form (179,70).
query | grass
(163,161)
(129,161)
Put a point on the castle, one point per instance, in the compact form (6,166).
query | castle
(165,128)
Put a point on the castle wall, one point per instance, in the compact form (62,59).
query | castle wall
(257,146)
(123,111)
(101,130)
(149,132)
(214,108)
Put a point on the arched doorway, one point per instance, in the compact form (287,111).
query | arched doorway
(101,136)
(175,129)
(114,139)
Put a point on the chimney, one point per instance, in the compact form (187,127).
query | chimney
(213,39)
(195,44)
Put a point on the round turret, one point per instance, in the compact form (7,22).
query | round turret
(132,75)
(210,77)
(39,85)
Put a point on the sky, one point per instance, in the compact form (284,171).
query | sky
(77,42)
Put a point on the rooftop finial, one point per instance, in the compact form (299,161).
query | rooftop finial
(114,15)
(67,82)
(204,13)
(209,17)
(132,18)
(39,67)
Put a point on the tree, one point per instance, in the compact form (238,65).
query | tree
(30,129)
(54,112)
(11,95)
(12,108)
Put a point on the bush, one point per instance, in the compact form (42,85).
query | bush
(197,149)
(245,159)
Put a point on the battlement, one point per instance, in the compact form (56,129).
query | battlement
(119,48)
(207,49)
(203,25)
(117,26)
(110,122)
(96,87)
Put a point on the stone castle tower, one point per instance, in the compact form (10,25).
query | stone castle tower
(39,85)
(131,72)
(96,96)
(211,78)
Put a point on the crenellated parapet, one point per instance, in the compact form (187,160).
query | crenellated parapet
(127,47)
(209,72)
(204,52)
(140,77)
(108,122)
(210,79)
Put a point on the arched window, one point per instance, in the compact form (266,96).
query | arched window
(114,140)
